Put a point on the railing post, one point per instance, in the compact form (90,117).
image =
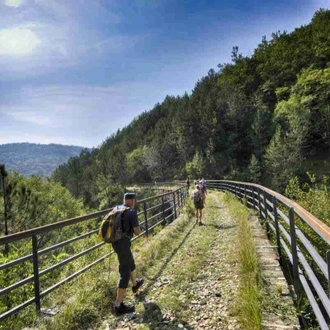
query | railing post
(277,228)
(163,208)
(294,250)
(328,262)
(265,203)
(146,217)
(259,202)
(3,174)
(174,205)
(36,272)
(253,201)
(266,212)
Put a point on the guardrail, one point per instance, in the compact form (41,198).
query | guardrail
(160,209)
(310,270)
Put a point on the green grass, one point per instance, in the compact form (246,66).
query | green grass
(249,303)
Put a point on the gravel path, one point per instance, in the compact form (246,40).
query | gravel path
(194,286)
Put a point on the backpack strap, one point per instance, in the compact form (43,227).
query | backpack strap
(121,219)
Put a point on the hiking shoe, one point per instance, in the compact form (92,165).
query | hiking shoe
(124,309)
(139,283)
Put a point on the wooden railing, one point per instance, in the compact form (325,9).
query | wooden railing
(310,263)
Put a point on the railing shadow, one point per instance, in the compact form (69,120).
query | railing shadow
(216,207)
(154,278)
(218,227)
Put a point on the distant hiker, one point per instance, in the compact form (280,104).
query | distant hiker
(187,183)
(198,203)
(202,184)
(203,193)
(122,248)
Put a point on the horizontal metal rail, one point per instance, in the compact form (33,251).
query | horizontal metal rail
(47,250)
(266,201)
(167,207)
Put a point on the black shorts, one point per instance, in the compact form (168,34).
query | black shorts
(126,261)
(199,205)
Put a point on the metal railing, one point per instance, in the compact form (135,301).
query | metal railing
(310,270)
(160,209)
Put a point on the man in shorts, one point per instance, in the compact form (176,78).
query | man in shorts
(122,248)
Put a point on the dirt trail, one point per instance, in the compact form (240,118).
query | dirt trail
(194,285)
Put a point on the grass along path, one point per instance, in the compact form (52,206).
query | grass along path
(191,275)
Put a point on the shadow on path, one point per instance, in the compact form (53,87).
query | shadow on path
(153,279)
(219,227)
(216,207)
(155,319)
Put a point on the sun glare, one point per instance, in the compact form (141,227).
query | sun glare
(17,41)
(13,3)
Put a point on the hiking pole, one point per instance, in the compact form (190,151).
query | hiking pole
(109,263)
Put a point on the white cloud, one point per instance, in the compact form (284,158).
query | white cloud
(31,117)
(18,41)
(80,115)
(13,3)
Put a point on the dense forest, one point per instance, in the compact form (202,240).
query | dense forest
(35,159)
(263,118)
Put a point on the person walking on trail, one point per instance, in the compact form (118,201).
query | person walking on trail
(198,203)
(122,248)
(187,183)
(202,185)
(203,192)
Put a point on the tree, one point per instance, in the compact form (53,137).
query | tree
(136,164)
(283,158)
(196,168)
(254,169)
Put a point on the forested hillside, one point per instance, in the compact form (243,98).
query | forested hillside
(263,118)
(35,159)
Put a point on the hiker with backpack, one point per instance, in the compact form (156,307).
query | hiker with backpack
(198,203)
(122,247)
(202,185)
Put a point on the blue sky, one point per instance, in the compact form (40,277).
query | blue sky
(74,71)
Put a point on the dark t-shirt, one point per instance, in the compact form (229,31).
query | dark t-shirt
(130,220)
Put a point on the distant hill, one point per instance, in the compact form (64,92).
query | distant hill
(35,159)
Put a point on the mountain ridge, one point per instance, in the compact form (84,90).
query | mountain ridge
(36,158)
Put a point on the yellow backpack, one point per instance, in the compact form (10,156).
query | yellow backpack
(111,229)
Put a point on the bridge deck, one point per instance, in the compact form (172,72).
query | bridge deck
(192,277)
